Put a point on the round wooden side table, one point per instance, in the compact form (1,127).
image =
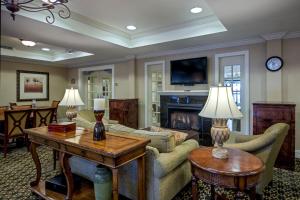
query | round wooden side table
(240,171)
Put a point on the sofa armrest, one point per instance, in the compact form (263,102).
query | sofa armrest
(110,121)
(81,122)
(166,162)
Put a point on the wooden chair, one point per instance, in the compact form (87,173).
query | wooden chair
(15,121)
(21,107)
(42,116)
(55,105)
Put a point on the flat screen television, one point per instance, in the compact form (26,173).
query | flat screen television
(189,71)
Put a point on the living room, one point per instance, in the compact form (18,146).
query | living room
(138,64)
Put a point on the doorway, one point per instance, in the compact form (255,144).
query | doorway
(154,83)
(97,82)
(232,69)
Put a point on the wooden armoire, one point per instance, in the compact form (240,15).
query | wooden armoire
(125,111)
(266,114)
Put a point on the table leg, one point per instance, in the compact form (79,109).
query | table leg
(141,178)
(64,161)
(37,163)
(252,193)
(115,184)
(212,192)
(194,188)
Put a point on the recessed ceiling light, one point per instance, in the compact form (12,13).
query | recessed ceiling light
(28,43)
(131,27)
(45,49)
(196,10)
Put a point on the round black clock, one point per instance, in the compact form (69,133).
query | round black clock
(274,63)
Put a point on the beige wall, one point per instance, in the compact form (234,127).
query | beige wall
(291,79)
(57,82)
(125,80)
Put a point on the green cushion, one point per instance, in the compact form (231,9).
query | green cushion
(87,115)
(163,141)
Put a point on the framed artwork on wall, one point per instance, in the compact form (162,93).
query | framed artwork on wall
(32,85)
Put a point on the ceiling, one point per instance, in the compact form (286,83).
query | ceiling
(99,27)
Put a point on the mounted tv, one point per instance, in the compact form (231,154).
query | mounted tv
(189,71)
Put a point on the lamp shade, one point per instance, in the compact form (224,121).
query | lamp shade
(220,104)
(71,98)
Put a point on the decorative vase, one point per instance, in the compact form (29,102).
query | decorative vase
(99,128)
(219,134)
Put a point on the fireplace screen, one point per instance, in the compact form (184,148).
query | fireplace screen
(185,120)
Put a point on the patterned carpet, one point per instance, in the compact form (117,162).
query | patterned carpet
(17,170)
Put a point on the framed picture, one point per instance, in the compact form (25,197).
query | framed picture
(32,85)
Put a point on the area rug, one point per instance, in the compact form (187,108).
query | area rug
(17,170)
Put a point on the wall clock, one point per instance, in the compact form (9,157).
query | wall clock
(274,63)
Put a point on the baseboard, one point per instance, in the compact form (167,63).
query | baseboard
(297,153)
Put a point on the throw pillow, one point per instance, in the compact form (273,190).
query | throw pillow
(163,141)
(179,136)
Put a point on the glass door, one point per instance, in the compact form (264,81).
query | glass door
(231,70)
(98,84)
(154,84)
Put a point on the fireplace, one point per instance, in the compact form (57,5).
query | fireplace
(184,116)
(181,113)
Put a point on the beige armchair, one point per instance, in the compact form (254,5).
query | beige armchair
(265,146)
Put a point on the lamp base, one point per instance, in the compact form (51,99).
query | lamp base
(220,134)
(71,113)
(220,153)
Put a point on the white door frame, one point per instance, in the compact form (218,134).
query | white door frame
(96,68)
(162,62)
(246,119)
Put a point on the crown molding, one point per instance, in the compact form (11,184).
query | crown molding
(203,48)
(97,30)
(5,58)
(295,34)
(102,62)
(273,36)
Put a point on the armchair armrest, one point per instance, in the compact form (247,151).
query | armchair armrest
(252,145)
(239,137)
(166,162)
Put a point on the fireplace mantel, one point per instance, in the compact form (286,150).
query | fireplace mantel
(184,92)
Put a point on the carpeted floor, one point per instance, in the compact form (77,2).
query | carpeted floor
(17,170)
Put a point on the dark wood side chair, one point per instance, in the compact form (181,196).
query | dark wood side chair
(15,121)
(55,105)
(20,107)
(43,117)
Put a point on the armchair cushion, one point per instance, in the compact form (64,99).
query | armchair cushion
(166,162)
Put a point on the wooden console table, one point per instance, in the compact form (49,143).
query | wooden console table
(113,152)
(240,171)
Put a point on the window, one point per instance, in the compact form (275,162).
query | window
(232,77)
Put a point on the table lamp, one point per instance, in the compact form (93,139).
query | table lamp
(99,128)
(71,100)
(220,106)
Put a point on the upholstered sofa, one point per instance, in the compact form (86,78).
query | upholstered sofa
(266,146)
(167,167)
